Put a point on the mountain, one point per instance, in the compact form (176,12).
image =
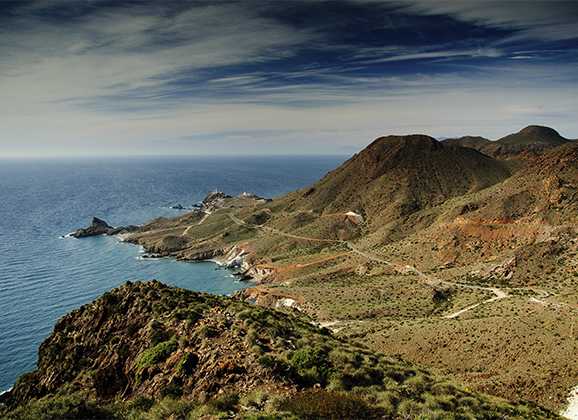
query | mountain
(398,175)
(146,350)
(529,140)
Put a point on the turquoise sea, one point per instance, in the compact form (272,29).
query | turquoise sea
(43,276)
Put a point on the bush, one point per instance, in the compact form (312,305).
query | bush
(173,389)
(61,407)
(169,408)
(416,384)
(255,399)
(225,402)
(156,354)
(208,331)
(311,364)
(409,409)
(321,404)
(267,361)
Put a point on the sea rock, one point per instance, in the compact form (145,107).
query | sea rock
(100,227)
(97,227)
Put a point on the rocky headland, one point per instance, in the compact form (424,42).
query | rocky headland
(99,227)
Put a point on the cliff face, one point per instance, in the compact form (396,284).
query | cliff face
(151,341)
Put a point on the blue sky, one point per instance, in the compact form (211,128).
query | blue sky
(310,76)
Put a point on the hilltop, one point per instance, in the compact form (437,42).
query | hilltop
(449,257)
(529,140)
(146,350)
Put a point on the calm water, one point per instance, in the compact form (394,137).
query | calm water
(43,276)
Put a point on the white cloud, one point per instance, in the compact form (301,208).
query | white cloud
(469,53)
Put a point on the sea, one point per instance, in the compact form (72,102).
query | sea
(44,275)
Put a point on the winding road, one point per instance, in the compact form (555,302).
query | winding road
(499,294)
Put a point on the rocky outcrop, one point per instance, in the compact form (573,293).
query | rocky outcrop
(97,227)
(204,254)
(214,200)
(100,227)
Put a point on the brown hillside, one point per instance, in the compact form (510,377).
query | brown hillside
(398,175)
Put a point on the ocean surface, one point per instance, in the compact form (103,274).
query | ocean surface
(43,276)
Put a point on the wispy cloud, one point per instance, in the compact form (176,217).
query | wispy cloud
(470,53)
(93,75)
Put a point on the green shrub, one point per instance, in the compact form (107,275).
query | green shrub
(255,399)
(156,332)
(170,408)
(267,361)
(409,409)
(416,384)
(156,354)
(173,389)
(311,364)
(322,404)
(140,403)
(61,407)
(208,331)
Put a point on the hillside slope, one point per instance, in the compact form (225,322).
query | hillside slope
(397,175)
(147,347)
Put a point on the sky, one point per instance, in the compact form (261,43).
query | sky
(112,77)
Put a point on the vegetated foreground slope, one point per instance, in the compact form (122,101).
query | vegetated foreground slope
(146,350)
